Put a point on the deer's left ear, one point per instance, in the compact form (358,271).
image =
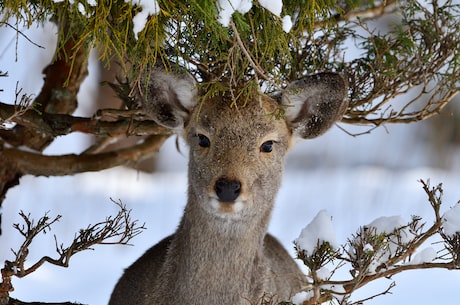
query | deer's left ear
(314,103)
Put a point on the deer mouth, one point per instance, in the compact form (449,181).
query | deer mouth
(225,208)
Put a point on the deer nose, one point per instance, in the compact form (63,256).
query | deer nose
(227,190)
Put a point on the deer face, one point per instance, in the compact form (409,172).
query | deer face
(236,155)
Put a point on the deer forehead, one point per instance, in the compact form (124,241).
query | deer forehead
(253,122)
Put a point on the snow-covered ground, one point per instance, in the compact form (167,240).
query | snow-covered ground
(353,195)
(356,179)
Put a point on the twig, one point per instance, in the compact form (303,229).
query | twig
(118,229)
(22,34)
(248,56)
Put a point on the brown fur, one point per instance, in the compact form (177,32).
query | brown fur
(221,252)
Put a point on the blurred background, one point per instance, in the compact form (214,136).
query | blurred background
(355,178)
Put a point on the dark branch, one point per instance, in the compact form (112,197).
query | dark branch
(39,165)
(63,124)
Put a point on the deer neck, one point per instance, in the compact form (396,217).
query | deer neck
(221,236)
(227,252)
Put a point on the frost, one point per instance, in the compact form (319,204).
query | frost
(287,23)
(451,221)
(427,255)
(228,7)
(149,8)
(274,6)
(301,297)
(318,231)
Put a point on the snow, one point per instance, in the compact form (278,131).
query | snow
(368,248)
(301,297)
(149,8)
(427,255)
(451,221)
(320,230)
(287,23)
(337,290)
(158,200)
(81,9)
(274,6)
(80,5)
(387,224)
(323,273)
(228,7)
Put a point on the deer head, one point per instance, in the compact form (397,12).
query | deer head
(237,153)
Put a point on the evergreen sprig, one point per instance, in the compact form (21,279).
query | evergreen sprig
(418,49)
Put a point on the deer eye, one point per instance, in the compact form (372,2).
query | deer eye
(267,146)
(203,141)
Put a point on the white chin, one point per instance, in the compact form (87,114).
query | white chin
(225,209)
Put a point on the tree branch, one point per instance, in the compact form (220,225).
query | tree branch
(63,124)
(118,229)
(39,165)
(389,255)
(18,302)
(362,13)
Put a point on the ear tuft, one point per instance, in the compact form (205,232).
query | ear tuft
(314,103)
(167,98)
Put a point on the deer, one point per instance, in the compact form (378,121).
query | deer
(221,252)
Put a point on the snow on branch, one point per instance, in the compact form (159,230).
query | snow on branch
(381,249)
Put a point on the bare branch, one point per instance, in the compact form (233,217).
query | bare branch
(118,229)
(38,164)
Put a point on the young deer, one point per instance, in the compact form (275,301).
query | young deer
(221,252)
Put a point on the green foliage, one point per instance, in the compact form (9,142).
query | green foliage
(184,31)
(321,256)
(419,48)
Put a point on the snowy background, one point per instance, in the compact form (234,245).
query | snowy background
(356,179)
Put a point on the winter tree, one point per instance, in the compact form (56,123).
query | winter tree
(384,49)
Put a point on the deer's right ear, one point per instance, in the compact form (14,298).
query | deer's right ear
(168,98)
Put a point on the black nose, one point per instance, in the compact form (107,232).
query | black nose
(227,190)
